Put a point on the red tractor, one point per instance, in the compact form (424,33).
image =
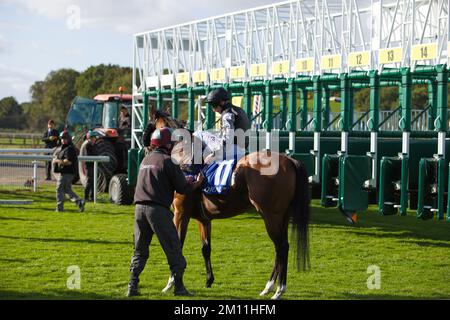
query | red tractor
(109,115)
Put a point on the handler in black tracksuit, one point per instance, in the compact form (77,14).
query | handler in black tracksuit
(158,179)
(65,161)
(50,138)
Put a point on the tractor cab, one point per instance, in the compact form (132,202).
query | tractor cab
(112,120)
(102,114)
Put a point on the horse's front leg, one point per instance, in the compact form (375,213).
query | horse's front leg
(204,227)
(181,222)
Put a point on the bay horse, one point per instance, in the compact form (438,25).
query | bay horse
(279,198)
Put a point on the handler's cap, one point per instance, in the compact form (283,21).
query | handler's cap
(161,137)
(65,135)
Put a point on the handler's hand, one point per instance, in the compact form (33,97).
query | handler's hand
(198,183)
(200,178)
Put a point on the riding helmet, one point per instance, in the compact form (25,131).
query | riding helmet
(217,95)
(161,137)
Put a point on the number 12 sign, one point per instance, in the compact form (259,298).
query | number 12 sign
(359,59)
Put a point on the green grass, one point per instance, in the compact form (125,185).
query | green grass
(37,245)
(20,143)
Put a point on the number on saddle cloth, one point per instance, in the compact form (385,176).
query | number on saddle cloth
(218,177)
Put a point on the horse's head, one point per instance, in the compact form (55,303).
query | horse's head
(157,120)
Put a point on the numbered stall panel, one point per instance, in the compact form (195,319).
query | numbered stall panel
(183,78)
(280,67)
(331,62)
(359,59)
(200,76)
(258,70)
(237,73)
(304,65)
(390,55)
(424,52)
(217,75)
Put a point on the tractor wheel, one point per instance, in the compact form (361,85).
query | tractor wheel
(104,147)
(119,191)
(82,165)
(102,181)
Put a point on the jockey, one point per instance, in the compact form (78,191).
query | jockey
(232,118)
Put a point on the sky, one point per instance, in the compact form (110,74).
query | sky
(39,36)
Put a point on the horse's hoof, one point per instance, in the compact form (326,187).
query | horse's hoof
(268,288)
(279,292)
(209,282)
(276,296)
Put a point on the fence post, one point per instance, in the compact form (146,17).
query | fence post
(35,176)
(95,180)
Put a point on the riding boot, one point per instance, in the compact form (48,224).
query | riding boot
(180,289)
(133,286)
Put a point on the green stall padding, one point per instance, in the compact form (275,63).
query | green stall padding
(393,190)
(353,172)
(432,187)
(132,170)
(330,180)
(135,157)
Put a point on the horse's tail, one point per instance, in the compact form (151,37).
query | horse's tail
(300,212)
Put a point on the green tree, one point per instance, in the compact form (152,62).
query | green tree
(59,91)
(103,79)
(37,91)
(11,115)
(50,99)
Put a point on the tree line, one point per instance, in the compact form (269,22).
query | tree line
(51,97)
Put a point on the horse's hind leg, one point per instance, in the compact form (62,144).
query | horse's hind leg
(277,227)
(181,222)
(282,249)
(273,277)
(205,232)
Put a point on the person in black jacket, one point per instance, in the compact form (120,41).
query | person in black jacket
(158,179)
(64,161)
(50,138)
